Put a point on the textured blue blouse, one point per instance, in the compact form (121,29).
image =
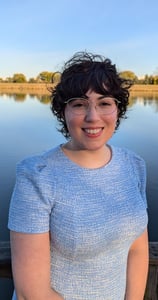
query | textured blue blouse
(93,215)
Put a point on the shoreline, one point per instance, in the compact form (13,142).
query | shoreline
(25,88)
(42,88)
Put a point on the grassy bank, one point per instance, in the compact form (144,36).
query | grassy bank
(42,88)
(148,88)
(25,88)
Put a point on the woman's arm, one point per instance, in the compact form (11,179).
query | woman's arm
(31,266)
(137,268)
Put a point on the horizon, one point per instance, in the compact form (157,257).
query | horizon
(35,77)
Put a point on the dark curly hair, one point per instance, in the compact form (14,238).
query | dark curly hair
(84,72)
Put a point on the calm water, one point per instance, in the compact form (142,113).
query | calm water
(27,127)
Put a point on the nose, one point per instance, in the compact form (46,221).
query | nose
(92,114)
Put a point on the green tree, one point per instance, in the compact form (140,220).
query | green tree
(19,77)
(45,76)
(9,79)
(151,79)
(56,77)
(146,79)
(129,75)
(156,79)
(32,80)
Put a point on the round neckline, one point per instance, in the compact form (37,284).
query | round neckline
(77,166)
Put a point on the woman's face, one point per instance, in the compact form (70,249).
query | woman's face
(91,130)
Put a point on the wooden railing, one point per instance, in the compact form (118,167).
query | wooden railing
(152,282)
(5,260)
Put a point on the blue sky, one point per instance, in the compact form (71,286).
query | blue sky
(40,35)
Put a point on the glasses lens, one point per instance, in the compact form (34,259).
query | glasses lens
(80,106)
(106,106)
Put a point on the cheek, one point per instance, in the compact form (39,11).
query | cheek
(112,119)
(71,121)
(69,118)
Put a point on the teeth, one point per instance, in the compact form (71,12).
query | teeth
(93,131)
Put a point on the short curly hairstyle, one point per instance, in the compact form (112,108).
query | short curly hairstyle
(83,72)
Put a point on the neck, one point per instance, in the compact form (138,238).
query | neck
(88,158)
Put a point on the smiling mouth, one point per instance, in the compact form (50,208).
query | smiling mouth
(93,131)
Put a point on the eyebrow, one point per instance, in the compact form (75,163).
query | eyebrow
(98,98)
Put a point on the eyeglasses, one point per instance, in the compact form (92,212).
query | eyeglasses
(104,106)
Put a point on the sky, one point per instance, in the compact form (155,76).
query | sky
(37,36)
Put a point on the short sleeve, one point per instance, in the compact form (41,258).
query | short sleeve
(30,206)
(140,174)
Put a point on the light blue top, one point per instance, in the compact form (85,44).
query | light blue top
(94,215)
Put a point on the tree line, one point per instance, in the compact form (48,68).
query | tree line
(45,76)
(52,77)
(146,79)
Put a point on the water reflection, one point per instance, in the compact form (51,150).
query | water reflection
(145,97)
(22,97)
(151,100)
(145,101)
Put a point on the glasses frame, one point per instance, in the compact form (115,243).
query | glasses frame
(82,98)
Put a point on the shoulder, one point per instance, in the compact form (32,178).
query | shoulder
(126,153)
(131,159)
(39,163)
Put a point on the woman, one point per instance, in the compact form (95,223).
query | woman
(78,216)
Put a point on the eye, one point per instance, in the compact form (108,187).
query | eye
(77,103)
(105,103)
